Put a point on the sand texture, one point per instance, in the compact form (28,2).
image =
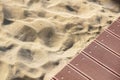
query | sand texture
(39,37)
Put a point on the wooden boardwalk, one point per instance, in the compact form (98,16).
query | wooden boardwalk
(99,61)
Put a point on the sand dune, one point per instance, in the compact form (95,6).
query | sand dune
(39,37)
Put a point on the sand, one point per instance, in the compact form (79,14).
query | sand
(39,37)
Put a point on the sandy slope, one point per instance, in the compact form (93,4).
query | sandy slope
(39,37)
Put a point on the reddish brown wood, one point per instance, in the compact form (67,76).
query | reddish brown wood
(92,69)
(99,61)
(69,73)
(104,56)
(115,28)
(110,41)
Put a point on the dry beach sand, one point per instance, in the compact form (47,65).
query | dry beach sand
(39,37)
